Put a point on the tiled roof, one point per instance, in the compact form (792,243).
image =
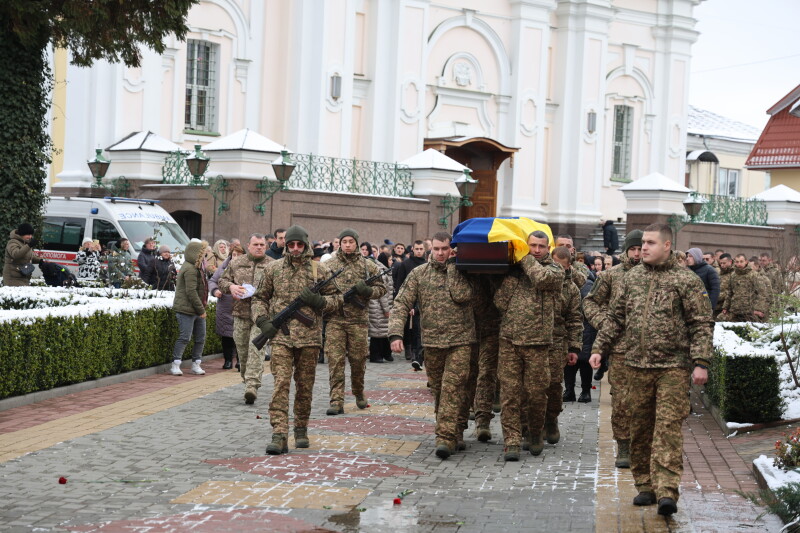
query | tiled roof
(779,144)
(708,124)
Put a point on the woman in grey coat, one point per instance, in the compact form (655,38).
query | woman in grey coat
(224,323)
(378,329)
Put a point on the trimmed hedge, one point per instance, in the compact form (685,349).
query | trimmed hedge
(57,351)
(746,389)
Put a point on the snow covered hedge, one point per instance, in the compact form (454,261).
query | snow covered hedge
(749,379)
(87,334)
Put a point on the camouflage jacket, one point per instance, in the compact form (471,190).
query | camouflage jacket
(580,273)
(356,268)
(283,281)
(527,300)
(568,326)
(776,282)
(724,285)
(665,315)
(607,287)
(443,295)
(746,292)
(243,269)
(487,317)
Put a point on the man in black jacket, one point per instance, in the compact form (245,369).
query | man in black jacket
(610,237)
(276,248)
(708,274)
(411,339)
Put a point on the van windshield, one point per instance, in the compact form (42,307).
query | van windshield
(168,233)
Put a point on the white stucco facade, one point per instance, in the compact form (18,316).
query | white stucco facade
(526,73)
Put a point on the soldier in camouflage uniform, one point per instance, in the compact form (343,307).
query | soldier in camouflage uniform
(775,277)
(346,331)
(567,342)
(487,326)
(746,299)
(246,269)
(443,295)
(526,302)
(580,272)
(283,281)
(725,272)
(596,306)
(665,315)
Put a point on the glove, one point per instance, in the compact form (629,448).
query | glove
(33,242)
(266,327)
(363,290)
(312,299)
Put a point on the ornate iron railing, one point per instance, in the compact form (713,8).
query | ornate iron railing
(175,171)
(321,173)
(732,210)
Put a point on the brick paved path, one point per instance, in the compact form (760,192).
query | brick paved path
(167,453)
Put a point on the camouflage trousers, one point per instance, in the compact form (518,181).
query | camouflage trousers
(486,386)
(523,371)
(448,373)
(659,403)
(302,362)
(470,391)
(350,342)
(557,359)
(251,359)
(619,378)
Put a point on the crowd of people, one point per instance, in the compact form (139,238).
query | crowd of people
(646,314)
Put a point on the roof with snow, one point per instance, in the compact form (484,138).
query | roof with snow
(146,141)
(708,124)
(245,139)
(779,193)
(655,182)
(431,158)
(779,143)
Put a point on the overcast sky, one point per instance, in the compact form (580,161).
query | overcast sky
(746,58)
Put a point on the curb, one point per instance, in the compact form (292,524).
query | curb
(39,396)
(723,424)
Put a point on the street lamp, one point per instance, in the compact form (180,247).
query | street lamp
(98,167)
(197,163)
(466,186)
(693,205)
(267,188)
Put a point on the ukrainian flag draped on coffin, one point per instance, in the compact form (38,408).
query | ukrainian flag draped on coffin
(513,230)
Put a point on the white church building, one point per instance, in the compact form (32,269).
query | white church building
(553,104)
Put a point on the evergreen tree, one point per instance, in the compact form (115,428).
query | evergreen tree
(90,29)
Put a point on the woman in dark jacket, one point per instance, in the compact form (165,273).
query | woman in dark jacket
(570,372)
(224,325)
(147,262)
(164,273)
(191,297)
(706,273)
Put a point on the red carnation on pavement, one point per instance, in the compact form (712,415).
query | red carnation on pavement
(62,480)
(397,501)
(593,387)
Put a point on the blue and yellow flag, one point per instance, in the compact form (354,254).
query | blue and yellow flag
(513,230)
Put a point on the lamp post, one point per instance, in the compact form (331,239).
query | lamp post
(197,163)
(466,186)
(98,167)
(283,168)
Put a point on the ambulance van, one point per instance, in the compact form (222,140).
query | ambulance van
(69,221)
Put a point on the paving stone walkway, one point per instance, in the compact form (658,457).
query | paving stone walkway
(165,453)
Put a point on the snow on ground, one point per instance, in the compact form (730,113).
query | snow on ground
(775,477)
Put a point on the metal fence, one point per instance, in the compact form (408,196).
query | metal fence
(321,173)
(732,210)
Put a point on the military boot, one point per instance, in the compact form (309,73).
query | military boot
(278,445)
(483,432)
(645,498)
(361,402)
(250,395)
(443,450)
(511,453)
(335,409)
(526,443)
(552,434)
(537,442)
(623,454)
(301,437)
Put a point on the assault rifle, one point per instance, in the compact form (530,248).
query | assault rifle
(281,320)
(350,295)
